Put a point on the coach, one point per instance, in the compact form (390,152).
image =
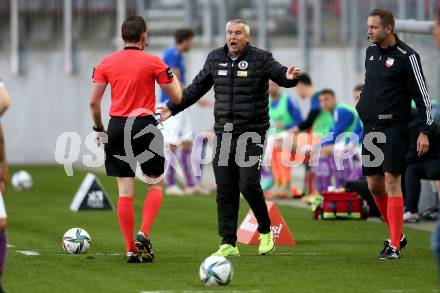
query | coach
(393,77)
(240,75)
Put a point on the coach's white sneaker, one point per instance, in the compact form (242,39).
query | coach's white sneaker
(174,190)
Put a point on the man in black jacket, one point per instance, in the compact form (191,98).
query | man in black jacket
(240,75)
(436,234)
(393,77)
(418,168)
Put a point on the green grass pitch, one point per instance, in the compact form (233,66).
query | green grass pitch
(329,256)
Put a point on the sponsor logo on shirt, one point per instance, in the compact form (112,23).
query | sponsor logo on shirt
(401,50)
(223,72)
(223,64)
(243,65)
(169,73)
(242,73)
(389,62)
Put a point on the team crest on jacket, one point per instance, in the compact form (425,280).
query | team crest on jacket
(389,62)
(242,65)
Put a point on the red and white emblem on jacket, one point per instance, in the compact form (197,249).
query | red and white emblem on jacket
(389,62)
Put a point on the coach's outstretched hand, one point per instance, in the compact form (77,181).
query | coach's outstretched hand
(165,113)
(422,144)
(292,73)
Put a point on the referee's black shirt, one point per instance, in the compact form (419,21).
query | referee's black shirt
(393,77)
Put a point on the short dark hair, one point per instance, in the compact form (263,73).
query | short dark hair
(183,34)
(327,92)
(438,14)
(386,17)
(132,29)
(358,87)
(304,79)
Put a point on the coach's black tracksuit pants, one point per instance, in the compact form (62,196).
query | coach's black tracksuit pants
(237,164)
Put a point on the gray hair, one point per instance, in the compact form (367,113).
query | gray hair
(247,29)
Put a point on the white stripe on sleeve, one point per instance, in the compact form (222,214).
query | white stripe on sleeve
(422,87)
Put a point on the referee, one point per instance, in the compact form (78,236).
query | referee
(393,77)
(240,74)
(132,74)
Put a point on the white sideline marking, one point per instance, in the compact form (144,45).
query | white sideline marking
(168,291)
(204,291)
(96,253)
(10,245)
(401,290)
(28,252)
(275,253)
(287,253)
(299,253)
(398,290)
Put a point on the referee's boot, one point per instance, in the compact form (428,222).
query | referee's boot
(131,257)
(267,243)
(390,253)
(144,246)
(387,243)
(227,250)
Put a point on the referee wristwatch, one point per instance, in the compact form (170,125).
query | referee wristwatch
(98,129)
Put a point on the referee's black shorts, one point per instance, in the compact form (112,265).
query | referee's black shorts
(123,153)
(394,151)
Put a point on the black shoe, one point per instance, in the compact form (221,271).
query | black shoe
(133,258)
(145,248)
(403,242)
(387,243)
(390,253)
(430,214)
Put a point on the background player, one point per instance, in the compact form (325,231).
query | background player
(177,130)
(345,120)
(319,122)
(284,114)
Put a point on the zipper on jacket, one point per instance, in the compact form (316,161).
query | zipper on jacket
(232,92)
(376,77)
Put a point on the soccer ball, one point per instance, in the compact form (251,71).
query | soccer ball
(76,241)
(216,270)
(21,180)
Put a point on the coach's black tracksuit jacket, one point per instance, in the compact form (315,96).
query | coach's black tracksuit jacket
(240,87)
(393,78)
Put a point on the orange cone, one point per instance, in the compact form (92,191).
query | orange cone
(248,234)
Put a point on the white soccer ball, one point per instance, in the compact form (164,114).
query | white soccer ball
(76,241)
(21,180)
(216,270)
